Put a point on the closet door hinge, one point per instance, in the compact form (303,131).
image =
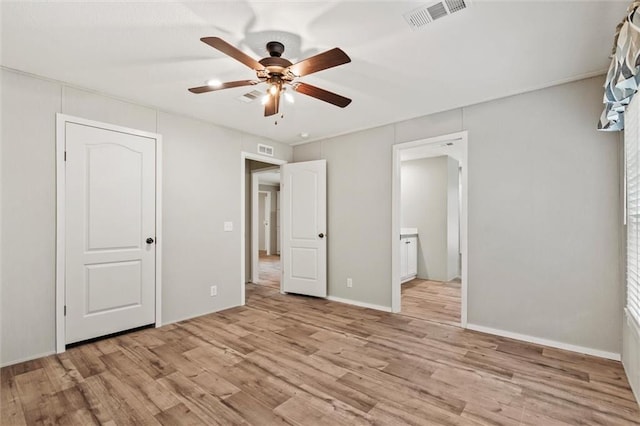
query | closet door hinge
(65,156)
(65,310)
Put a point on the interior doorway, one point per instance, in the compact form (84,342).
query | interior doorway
(303,232)
(429,213)
(249,186)
(265,251)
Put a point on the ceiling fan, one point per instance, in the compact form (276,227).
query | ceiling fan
(278,72)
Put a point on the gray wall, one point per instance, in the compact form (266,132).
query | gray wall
(544,213)
(201,167)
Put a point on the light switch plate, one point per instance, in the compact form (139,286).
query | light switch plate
(228,226)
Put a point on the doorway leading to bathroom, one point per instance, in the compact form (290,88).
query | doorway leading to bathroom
(429,229)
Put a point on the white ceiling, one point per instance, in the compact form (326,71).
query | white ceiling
(150,53)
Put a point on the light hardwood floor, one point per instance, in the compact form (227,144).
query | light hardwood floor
(305,361)
(432,300)
(269,270)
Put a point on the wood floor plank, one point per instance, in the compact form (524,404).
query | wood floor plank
(116,401)
(144,358)
(205,405)
(179,414)
(11,407)
(391,390)
(257,382)
(333,411)
(312,380)
(432,300)
(253,410)
(495,414)
(149,391)
(285,359)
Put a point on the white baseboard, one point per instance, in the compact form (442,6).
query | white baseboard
(545,342)
(361,304)
(29,358)
(406,280)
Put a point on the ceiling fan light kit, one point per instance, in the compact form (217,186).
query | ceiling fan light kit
(279,73)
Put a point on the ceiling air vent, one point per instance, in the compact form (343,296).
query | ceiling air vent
(423,15)
(455,5)
(265,150)
(437,11)
(250,96)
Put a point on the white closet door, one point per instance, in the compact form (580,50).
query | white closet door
(110,231)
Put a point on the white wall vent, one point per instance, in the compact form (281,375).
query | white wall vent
(265,150)
(418,18)
(250,96)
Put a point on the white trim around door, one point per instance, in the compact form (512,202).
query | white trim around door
(61,120)
(244,156)
(432,147)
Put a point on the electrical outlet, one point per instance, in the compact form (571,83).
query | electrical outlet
(349,282)
(213,291)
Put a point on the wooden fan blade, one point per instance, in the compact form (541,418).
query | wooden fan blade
(228,85)
(234,52)
(323,95)
(272,106)
(322,61)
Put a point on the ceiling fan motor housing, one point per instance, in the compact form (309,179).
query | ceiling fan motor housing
(275,48)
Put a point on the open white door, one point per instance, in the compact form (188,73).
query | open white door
(304,221)
(110,231)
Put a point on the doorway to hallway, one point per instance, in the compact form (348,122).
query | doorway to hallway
(265,224)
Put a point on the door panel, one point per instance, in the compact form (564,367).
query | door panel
(303,221)
(304,209)
(110,212)
(112,286)
(304,264)
(113,213)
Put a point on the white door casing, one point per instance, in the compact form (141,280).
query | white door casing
(303,189)
(255,224)
(109,279)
